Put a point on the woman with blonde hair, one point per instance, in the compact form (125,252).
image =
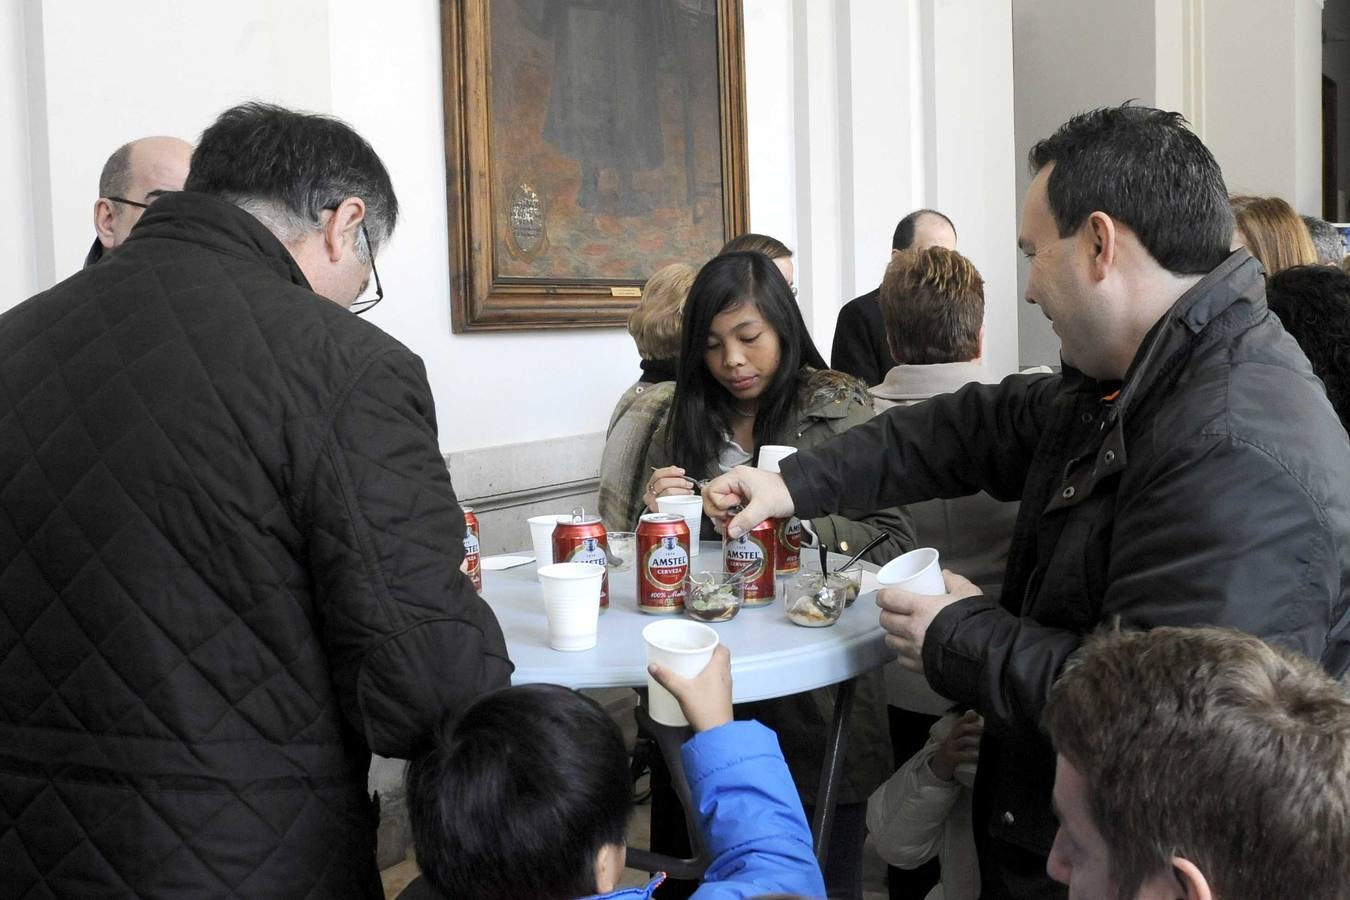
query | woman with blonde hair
(655,326)
(1272,232)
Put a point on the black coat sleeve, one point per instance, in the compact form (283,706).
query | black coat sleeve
(1216,532)
(981,438)
(407,637)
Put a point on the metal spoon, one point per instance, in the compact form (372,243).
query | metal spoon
(855,557)
(694,483)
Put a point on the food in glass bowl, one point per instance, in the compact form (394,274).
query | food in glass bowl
(815,600)
(714,596)
(852,579)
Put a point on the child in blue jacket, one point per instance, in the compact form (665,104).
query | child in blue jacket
(528,795)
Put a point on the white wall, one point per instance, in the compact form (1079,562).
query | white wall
(920,115)
(19,249)
(1307,196)
(115,72)
(836,118)
(1245,72)
(971,169)
(1070,56)
(1267,136)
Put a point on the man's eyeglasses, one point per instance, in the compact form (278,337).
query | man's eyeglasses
(129,202)
(363,305)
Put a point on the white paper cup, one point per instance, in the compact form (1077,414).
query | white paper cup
(684,648)
(541,535)
(770,455)
(690,508)
(572,603)
(916,571)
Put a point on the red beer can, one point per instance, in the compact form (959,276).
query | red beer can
(753,553)
(663,563)
(472,556)
(789,554)
(582,540)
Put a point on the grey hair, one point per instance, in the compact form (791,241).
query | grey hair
(289,226)
(112,182)
(286,167)
(1328,240)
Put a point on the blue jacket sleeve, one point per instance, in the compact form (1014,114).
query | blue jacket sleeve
(750,814)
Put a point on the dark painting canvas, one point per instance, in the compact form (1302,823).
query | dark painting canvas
(606,154)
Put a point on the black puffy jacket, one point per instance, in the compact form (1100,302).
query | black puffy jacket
(1213,490)
(228,571)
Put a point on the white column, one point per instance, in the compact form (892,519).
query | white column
(1262,75)
(24,253)
(821,205)
(972,172)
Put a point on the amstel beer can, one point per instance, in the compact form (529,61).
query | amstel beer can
(753,553)
(663,563)
(472,556)
(582,540)
(789,554)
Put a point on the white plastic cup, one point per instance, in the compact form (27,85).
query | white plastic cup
(770,455)
(572,604)
(690,508)
(541,535)
(917,571)
(682,647)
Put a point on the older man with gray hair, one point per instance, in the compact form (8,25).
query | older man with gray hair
(229,548)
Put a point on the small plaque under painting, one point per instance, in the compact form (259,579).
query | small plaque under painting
(625,291)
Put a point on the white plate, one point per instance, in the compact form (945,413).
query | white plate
(497,563)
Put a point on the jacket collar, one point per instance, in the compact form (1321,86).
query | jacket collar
(655,371)
(1237,281)
(633,893)
(826,394)
(208,221)
(906,382)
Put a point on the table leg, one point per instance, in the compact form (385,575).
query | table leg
(830,767)
(669,740)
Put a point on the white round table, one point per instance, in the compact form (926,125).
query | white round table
(770,656)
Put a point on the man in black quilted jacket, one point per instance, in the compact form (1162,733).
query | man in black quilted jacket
(1185,469)
(229,546)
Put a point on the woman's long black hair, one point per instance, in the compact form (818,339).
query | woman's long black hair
(701,414)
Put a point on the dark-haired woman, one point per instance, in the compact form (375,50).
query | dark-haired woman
(749,375)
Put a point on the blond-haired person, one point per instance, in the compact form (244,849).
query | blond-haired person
(655,327)
(1272,232)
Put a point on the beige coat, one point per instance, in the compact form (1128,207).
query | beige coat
(972,534)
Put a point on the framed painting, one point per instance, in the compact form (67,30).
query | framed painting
(588,143)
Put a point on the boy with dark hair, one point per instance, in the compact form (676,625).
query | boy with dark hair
(527,795)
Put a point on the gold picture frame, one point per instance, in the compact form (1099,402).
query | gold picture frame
(581,154)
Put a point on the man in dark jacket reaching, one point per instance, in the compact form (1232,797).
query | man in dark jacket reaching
(229,546)
(1186,468)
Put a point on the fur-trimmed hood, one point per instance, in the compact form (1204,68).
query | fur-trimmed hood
(823,388)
